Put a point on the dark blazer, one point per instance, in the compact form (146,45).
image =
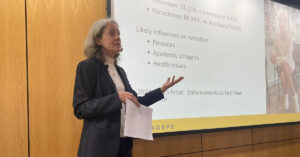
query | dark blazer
(97,102)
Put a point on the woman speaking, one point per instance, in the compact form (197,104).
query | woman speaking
(100,93)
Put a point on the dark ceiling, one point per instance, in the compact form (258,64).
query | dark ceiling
(291,3)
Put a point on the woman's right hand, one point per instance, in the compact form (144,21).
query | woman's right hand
(123,95)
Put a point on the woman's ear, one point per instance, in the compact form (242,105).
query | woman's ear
(98,41)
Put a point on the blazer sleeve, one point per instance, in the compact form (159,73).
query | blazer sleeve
(85,104)
(149,98)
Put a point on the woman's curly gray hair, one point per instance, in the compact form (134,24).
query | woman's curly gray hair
(91,48)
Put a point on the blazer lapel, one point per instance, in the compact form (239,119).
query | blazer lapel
(104,68)
(123,77)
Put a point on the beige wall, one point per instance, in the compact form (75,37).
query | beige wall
(56,33)
(56,30)
(13,82)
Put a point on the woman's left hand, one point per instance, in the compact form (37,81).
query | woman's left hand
(169,83)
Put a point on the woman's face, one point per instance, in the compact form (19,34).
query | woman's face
(110,41)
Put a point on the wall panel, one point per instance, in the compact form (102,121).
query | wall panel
(230,152)
(275,141)
(56,33)
(13,82)
(226,139)
(296,131)
(169,145)
(189,155)
(274,149)
(296,147)
(269,134)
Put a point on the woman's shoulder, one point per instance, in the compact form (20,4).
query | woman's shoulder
(90,62)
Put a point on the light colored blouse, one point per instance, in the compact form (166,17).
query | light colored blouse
(119,86)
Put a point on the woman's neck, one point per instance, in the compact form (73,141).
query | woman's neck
(109,59)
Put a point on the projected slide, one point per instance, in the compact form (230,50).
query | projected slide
(218,46)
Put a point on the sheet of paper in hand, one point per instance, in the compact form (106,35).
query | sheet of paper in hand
(138,121)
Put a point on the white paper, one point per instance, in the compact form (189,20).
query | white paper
(138,121)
